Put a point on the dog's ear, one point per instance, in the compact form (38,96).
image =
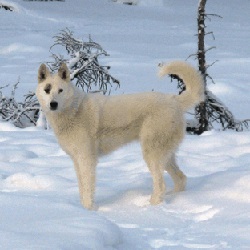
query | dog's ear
(64,73)
(43,73)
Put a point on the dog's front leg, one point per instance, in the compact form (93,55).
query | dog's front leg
(79,180)
(85,170)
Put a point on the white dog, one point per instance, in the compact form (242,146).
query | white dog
(90,125)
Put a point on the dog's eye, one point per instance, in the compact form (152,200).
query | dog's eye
(47,88)
(47,91)
(60,91)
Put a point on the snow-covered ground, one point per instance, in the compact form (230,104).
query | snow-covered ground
(39,202)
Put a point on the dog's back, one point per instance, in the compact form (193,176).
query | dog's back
(122,118)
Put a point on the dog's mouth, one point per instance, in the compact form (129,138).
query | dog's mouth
(53,106)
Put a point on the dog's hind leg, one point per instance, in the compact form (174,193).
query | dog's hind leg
(159,187)
(154,146)
(176,174)
(156,169)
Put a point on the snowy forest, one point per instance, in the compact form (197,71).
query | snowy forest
(115,47)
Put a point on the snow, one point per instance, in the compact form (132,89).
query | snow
(39,201)
(35,214)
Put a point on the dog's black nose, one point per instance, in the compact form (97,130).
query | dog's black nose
(53,105)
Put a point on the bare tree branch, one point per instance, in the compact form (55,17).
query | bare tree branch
(82,60)
(21,114)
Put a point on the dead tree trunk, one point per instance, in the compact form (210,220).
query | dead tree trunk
(201,109)
(212,112)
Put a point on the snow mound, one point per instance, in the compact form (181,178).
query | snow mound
(16,155)
(13,6)
(40,223)
(7,126)
(25,181)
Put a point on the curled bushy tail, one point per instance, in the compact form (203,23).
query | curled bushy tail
(194,92)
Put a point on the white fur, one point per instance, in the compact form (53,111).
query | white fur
(90,125)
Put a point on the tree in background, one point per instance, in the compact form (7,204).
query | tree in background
(82,59)
(212,112)
(201,110)
(21,114)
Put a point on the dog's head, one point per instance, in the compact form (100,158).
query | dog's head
(54,91)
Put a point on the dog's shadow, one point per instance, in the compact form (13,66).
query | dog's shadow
(135,197)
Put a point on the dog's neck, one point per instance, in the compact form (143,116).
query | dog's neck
(78,97)
(60,121)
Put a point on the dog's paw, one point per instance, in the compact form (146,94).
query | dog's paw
(181,184)
(155,200)
(89,205)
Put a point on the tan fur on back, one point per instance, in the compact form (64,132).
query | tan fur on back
(90,125)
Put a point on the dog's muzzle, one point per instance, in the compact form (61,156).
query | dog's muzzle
(53,105)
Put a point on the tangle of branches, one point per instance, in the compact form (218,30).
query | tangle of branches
(85,70)
(21,114)
(82,60)
(217,113)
